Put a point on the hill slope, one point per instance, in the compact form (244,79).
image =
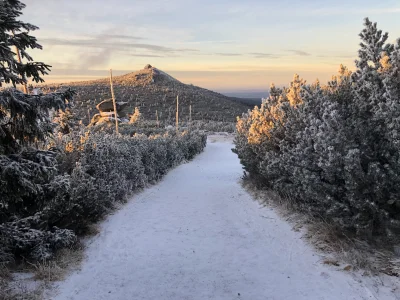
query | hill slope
(153,90)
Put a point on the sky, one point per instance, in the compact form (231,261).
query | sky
(224,45)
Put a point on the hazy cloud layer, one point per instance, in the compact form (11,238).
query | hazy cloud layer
(263,55)
(228,54)
(147,55)
(122,37)
(105,45)
(298,52)
(338,56)
(103,42)
(88,60)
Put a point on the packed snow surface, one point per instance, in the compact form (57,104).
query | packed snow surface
(199,235)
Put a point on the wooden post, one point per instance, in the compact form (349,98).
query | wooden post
(20,61)
(190,116)
(158,123)
(115,104)
(88,112)
(177,113)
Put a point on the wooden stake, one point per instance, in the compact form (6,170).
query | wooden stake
(158,123)
(115,104)
(177,113)
(190,116)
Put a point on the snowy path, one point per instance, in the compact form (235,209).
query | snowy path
(199,235)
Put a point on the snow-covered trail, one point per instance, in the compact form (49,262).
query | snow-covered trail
(199,235)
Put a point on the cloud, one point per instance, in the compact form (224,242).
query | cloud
(74,72)
(147,55)
(113,42)
(187,50)
(104,45)
(263,55)
(333,11)
(241,68)
(228,54)
(298,52)
(253,54)
(90,60)
(338,56)
(212,42)
(122,37)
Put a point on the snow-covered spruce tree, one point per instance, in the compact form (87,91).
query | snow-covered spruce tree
(25,171)
(15,33)
(335,149)
(376,111)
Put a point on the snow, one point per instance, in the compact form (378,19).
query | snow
(199,235)
(24,283)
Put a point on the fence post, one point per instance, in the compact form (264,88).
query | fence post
(114,103)
(177,113)
(190,116)
(88,112)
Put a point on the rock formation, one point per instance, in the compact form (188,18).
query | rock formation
(106,112)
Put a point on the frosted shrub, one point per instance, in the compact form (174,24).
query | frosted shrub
(211,126)
(136,116)
(46,202)
(334,149)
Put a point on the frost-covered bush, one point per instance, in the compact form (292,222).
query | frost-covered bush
(136,116)
(146,127)
(150,127)
(111,167)
(212,126)
(334,149)
(46,203)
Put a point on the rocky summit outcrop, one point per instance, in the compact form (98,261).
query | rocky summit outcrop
(107,114)
(153,92)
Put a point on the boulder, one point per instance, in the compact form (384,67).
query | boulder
(108,106)
(96,118)
(105,106)
(121,106)
(108,119)
(123,113)
(107,114)
(99,119)
(148,66)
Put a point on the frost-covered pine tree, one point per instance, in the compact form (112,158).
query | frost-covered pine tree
(293,93)
(15,33)
(25,171)
(23,118)
(335,147)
